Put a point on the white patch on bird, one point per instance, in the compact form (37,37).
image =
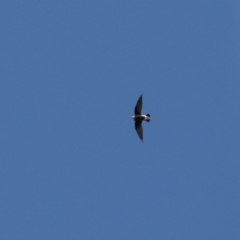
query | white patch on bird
(145,117)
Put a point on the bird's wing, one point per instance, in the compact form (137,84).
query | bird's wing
(139,129)
(138,107)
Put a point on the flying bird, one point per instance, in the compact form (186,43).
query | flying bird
(139,117)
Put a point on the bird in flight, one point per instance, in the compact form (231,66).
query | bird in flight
(139,117)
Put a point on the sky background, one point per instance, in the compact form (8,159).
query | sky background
(71,163)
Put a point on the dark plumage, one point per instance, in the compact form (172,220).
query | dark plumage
(139,117)
(138,107)
(139,129)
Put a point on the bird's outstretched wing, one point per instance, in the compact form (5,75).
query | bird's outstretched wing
(138,107)
(139,129)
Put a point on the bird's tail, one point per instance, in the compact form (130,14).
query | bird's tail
(148,120)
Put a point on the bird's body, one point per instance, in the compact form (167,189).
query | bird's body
(141,117)
(138,117)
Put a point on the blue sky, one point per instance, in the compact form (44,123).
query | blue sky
(71,163)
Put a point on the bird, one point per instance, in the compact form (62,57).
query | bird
(138,117)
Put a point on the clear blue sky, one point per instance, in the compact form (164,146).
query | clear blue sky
(71,163)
